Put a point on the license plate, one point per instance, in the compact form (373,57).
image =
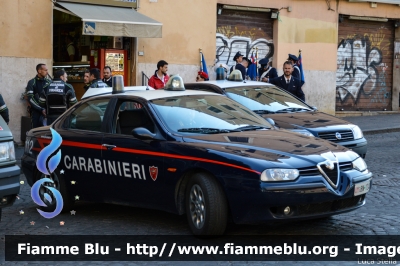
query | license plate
(362,188)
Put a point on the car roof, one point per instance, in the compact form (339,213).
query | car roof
(156,94)
(108,90)
(231,84)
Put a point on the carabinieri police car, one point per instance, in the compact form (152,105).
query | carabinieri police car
(287,111)
(196,153)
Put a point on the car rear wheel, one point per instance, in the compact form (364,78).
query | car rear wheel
(206,205)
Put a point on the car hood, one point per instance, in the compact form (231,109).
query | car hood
(305,120)
(279,146)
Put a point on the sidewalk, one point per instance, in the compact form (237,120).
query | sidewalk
(376,124)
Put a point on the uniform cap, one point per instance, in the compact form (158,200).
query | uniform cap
(237,55)
(293,57)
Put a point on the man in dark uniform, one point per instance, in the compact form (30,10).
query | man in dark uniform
(107,76)
(266,71)
(95,80)
(57,96)
(243,66)
(288,82)
(33,90)
(238,59)
(4,110)
(296,70)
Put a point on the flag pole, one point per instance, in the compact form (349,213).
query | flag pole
(201,60)
(256,63)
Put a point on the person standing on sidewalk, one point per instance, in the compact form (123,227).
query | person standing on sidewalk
(86,80)
(296,70)
(238,59)
(289,82)
(160,77)
(107,76)
(57,97)
(33,90)
(95,79)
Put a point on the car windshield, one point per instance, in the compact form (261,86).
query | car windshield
(266,99)
(206,114)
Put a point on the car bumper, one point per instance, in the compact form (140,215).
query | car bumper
(9,185)
(306,201)
(359,146)
(28,165)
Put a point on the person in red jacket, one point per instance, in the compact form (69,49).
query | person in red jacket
(160,77)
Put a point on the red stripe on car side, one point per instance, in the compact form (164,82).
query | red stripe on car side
(161,154)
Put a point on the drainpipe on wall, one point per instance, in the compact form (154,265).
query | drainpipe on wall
(396,71)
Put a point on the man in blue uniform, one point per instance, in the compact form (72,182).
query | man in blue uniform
(296,70)
(238,59)
(57,97)
(288,82)
(33,90)
(95,80)
(243,66)
(4,110)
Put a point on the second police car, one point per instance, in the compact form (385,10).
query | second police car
(287,111)
(200,154)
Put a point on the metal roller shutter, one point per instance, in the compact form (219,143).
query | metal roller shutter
(242,31)
(364,65)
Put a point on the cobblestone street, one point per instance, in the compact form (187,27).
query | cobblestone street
(379,216)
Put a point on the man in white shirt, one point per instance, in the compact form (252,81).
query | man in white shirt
(70,48)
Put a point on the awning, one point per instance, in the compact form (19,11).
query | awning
(114,21)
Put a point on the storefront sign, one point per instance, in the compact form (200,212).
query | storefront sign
(125,3)
(89,28)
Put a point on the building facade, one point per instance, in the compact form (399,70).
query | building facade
(350,49)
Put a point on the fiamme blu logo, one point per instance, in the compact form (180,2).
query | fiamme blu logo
(46,163)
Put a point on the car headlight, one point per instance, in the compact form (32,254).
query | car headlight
(359,164)
(7,152)
(303,132)
(279,175)
(357,132)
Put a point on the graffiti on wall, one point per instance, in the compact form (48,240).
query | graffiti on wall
(227,47)
(360,68)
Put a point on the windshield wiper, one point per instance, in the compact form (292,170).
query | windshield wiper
(248,128)
(206,130)
(292,109)
(260,112)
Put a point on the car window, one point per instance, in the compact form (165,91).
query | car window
(132,115)
(265,98)
(205,112)
(88,116)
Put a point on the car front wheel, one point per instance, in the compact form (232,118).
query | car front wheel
(206,205)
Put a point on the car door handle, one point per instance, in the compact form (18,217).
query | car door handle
(108,146)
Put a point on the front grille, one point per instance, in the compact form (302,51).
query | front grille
(346,135)
(311,171)
(329,206)
(332,174)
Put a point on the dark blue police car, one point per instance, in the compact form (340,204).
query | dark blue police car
(198,153)
(288,112)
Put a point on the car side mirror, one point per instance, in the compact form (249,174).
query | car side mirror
(142,133)
(271,121)
(314,108)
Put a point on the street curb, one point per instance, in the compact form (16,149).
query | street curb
(382,130)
